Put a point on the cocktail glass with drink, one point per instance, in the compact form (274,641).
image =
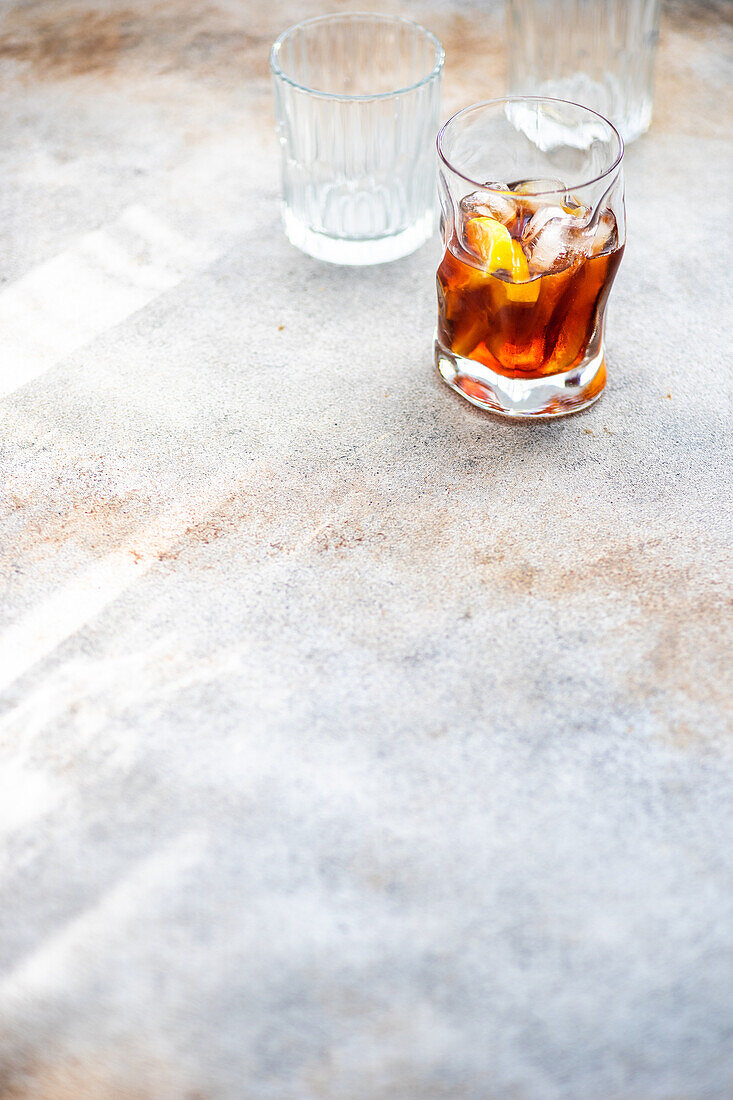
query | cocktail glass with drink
(533,225)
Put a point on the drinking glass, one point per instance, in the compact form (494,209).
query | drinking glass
(596,52)
(532,199)
(356,102)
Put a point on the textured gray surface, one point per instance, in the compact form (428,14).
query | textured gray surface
(353,745)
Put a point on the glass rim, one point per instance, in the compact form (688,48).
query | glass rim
(348,17)
(529,99)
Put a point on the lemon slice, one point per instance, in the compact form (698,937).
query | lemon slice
(522,288)
(491,242)
(519,268)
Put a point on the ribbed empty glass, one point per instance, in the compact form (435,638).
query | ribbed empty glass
(357,101)
(596,52)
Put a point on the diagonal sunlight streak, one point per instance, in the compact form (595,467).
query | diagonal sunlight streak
(106,276)
(32,638)
(54,964)
(64,613)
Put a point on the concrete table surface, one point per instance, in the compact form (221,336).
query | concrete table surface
(354,745)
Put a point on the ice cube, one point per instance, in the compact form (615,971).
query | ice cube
(493,201)
(573,205)
(604,234)
(554,240)
(537,187)
(540,219)
(532,194)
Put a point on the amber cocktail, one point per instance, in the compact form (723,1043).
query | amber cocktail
(529,263)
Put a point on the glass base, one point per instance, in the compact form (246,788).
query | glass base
(520,398)
(357,253)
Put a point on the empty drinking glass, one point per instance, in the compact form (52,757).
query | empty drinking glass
(596,52)
(356,102)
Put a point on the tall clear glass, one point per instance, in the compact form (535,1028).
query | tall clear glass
(533,224)
(596,52)
(357,100)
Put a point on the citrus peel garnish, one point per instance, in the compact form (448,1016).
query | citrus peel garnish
(521,288)
(492,243)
